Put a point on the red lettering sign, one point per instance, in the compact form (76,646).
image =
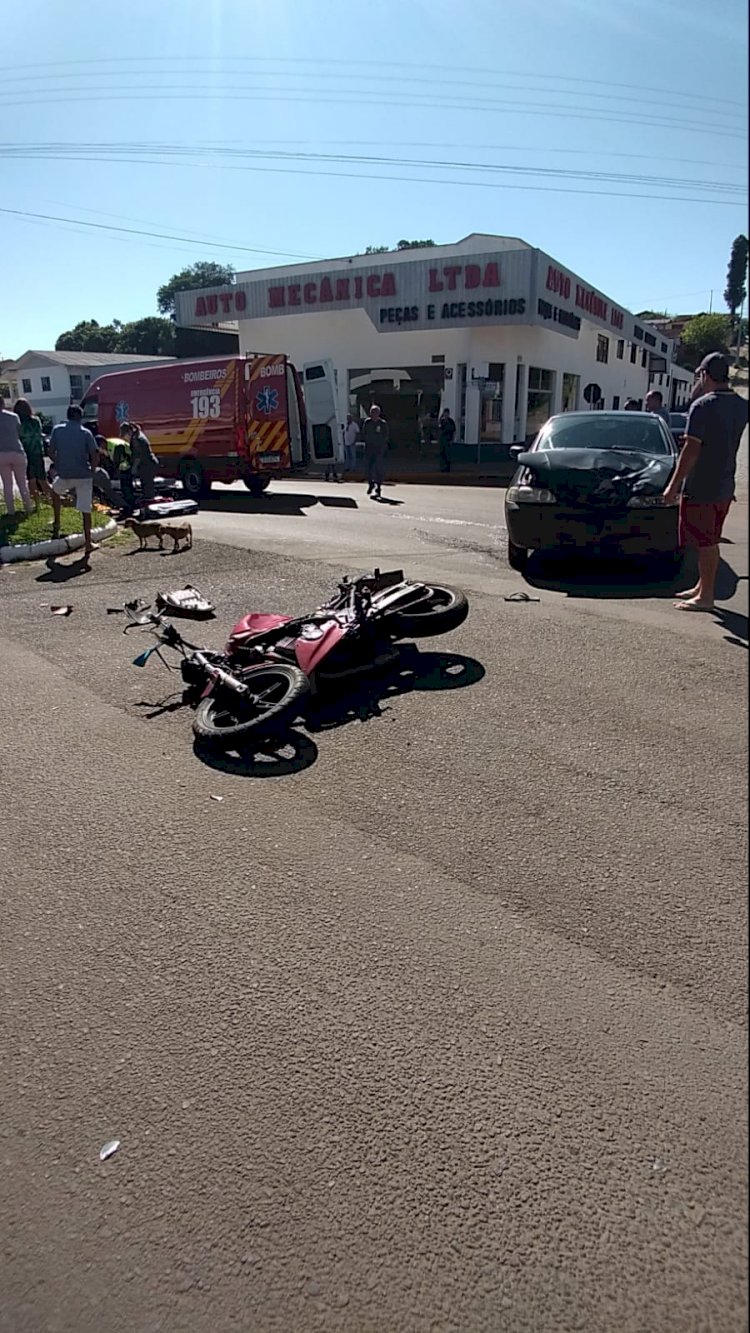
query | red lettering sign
(558,282)
(388,285)
(342,289)
(450,276)
(293,294)
(276,297)
(308,293)
(326,290)
(200,306)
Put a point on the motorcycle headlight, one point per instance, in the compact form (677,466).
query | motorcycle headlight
(518,495)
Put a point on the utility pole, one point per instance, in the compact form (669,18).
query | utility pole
(710,303)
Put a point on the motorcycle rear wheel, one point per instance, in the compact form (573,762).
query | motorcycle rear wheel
(226,719)
(442,610)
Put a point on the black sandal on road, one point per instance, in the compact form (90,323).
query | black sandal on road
(520,597)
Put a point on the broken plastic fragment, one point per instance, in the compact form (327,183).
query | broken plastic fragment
(109,1149)
(61,610)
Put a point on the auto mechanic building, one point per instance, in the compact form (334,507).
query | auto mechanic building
(500,333)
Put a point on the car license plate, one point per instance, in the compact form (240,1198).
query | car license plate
(272,458)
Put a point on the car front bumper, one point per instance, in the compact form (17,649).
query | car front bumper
(637,532)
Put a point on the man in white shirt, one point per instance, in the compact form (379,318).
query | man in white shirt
(351,435)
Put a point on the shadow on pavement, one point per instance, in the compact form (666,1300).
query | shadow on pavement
(414,670)
(337,502)
(580,577)
(297,750)
(57,573)
(236,502)
(293,753)
(735,623)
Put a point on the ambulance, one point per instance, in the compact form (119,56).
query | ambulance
(233,418)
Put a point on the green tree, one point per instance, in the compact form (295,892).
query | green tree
(88,336)
(736,289)
(400,245)
(701,335)
(152,336)
(206,274)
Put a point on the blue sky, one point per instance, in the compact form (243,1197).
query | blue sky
(168,96)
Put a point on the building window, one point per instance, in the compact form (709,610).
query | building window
(76,386)
(46,384)
(637,331)
(664,348)
(620,348)
(26,386)
(616,403)
(602,348)
(437,360)
(644,358)
(570,388)
(633,354)
(539,399)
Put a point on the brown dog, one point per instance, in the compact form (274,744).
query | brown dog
(179,532)
(145,530)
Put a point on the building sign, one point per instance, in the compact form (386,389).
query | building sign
(561,291)
(493,288)
(505,287)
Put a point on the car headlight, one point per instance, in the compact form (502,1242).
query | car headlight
(645,502)
(537,495)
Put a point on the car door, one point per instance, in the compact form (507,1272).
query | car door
(319,388)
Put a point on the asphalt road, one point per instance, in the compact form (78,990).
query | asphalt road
(436,1021)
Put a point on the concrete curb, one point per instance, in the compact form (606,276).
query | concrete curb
(56,546)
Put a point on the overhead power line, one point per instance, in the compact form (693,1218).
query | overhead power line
(210,155)
(447,69)
(365,98)
(132,231)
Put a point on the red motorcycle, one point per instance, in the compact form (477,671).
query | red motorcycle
(259,686)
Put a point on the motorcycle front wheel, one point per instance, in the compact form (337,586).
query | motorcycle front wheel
(439,611)
(274,700)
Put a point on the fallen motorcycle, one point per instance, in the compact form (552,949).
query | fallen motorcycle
(259,685)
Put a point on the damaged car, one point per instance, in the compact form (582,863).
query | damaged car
(592,483)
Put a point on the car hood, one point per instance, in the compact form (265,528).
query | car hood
(598,476)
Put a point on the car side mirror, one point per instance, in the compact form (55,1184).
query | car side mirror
(516,449)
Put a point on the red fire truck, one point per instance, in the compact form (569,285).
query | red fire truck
(248,418)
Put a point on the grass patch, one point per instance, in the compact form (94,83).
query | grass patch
(20,528)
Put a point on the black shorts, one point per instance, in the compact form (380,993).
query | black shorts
(35,467)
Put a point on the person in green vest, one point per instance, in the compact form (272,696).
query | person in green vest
(32,439)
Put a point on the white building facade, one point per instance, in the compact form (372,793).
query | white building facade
(51,381)
(498,332)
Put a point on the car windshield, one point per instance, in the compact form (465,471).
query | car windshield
(642,432)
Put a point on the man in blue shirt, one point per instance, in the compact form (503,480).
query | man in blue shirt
(73,451)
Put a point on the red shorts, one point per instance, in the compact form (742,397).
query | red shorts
(701,523)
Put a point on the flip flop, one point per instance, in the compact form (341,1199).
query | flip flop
(693,606)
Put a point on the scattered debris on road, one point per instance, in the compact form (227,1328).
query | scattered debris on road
(61,610)
(109,1149)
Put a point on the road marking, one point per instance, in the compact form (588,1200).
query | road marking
(456,522)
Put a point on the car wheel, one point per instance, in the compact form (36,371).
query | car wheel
(517,556)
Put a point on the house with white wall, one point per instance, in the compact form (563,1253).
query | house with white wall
(51,381)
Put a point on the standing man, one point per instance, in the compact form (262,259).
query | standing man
(446,436)
(375,436)
(74,455)
(13,460)
(351,435)
(654,402)
(707,466)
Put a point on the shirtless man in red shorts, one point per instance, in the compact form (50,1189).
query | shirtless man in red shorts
(707,466)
